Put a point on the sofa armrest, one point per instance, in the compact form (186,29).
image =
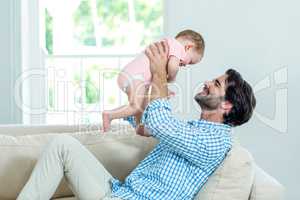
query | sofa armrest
(265,187)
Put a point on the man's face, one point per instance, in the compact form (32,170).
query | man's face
(212,94)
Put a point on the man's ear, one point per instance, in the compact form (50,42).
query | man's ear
(226,106)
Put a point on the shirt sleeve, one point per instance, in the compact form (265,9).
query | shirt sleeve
(179,135)
(130,120)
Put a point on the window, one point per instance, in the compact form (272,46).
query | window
(87,43)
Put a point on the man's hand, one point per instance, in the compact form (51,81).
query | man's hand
(158,56)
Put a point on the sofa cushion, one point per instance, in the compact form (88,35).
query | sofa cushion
(233,179)
(266,187)
(119,151)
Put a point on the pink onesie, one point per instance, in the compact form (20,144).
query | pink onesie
(139,68)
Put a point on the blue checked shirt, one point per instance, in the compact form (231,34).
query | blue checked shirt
(188,152)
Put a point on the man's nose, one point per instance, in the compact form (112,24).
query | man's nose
(207,83)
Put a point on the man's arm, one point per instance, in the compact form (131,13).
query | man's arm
(158,119)
(158,56)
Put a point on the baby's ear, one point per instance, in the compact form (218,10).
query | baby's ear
(188,47)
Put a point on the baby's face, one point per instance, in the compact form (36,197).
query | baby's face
(192,57)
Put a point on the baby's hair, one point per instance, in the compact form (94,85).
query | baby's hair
(194,37)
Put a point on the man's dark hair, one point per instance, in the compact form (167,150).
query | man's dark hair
(240,94)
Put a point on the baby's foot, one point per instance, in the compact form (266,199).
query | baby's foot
(106,121)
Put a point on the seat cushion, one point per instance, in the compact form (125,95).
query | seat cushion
(233,179)
(119,151)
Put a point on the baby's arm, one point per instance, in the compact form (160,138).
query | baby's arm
(173,67)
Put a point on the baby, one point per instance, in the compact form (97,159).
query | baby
(186,48)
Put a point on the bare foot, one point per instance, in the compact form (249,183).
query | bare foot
(106,121)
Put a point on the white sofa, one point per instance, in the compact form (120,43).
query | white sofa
(238,178)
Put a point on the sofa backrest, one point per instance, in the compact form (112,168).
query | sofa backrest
(20,129)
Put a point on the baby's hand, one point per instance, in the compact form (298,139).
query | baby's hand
(171,93)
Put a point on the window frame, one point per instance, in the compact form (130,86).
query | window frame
(35,94)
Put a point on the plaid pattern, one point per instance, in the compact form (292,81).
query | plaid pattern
(187,154)
(130,120)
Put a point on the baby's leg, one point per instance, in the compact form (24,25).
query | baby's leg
(138,116)
(136,94)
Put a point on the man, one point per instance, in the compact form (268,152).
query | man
(177,168)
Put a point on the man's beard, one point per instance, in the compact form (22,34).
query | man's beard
(208,102)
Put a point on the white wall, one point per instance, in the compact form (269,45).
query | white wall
(257,38)
(10,60)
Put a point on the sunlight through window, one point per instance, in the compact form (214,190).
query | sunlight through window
(87,43)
